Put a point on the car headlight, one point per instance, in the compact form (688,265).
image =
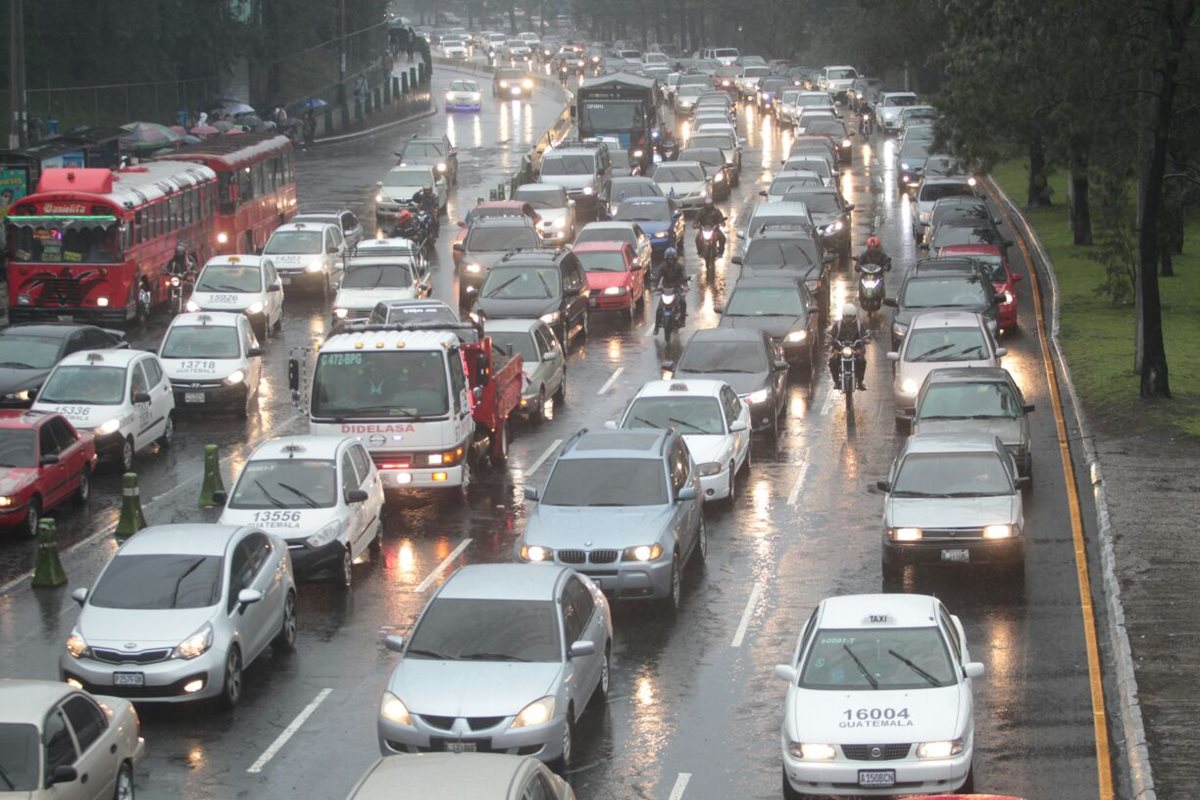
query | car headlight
(536,552)
(637,154)
(796,336)
(643,552)
(326,534)
(195,645)
(503,84)
(550,318)
(588,190)
(923,217)
(719,177)
(1008,298)
(108,427)
(944,749)
(473,269)
(899,328)
(908,386)
(812,752)
(380,198)
(559,223)
(614,290)
(341,313)
(391,709)
(527,83)
(315,266)
(449,95)
(660,235)
(192,306)
(539,712)
(255,308)
(441,167)
(905,534)
(999,532)
(235,377)
(222,238)
(845,142)
(76,646)
(20,396)
(904,165)
(836,226)
(709,468)
(760,396)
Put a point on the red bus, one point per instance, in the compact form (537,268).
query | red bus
(85,243)
(256,186)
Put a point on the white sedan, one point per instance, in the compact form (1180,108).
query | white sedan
(878,698)
(248,284)
(463,95)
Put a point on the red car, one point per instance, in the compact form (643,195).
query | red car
(1003,278)
(616,282)
(43,461)
(490,208)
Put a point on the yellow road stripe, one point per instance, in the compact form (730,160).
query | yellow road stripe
(1104,770)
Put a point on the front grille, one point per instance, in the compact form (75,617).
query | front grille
(121,657)
(604,556)
(483,723)
(61,291)
(583,556)
(441,723)
(572,556)
(950,534)
(181,385)
(866,752)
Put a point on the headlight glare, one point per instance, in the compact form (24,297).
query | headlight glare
(340,313)
(944,749)
(907,534)
(536,552)
(235,377)
(539,712)
(195,645)
(391,709)
(76,646)
(549,318)
(325,535)
(643,552)
(908,386)
(192,306)
(998,532)
(708,469)
(108,427)
(812,752)
(760,396)
(796,336)
(315,265)
(255,308)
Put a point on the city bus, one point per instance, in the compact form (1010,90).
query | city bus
(256,186)
(93,243)
(622,106)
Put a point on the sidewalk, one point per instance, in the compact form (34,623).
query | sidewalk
(382,106)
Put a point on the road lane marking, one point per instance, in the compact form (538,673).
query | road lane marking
(612,379)
(289,732)
(744,623)
(797,484)
(650,330)
(680,786)
(1104,768)
(442,567)
(830,399)
(542,458)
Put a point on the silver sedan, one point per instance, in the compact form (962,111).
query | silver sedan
(482,776)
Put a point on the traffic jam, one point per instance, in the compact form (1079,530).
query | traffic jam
(694,461)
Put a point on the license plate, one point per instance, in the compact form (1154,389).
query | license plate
(129,679)
(956,555)
(285,280)
(64,317)
(877,778)
(460,747)
(193,397)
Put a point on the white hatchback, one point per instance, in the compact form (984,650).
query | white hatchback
(322,494)
(248,284)
(212,359)
(879,699)
(121,397)
(370,280)
(307,254)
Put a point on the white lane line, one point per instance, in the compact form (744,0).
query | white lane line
(612,379)
(797,484)
(542,458)
(650,330)
(442,567)
(289,731)
(680,786)
(744,623)
(830,399)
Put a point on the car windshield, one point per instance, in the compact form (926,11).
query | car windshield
(817,202)
(20,752)
(286,483)
(423,312)
(962,400)
(568,165)
(17,449)
(223,278)
(950,291)
(84,384)
(688,415)
(756,72)
(642,187)
(993,267)
(817,165)
(381,385)
(936,191)
(378,276)
(201,341)
(708,356)
(725,52)
(900,100)
(522,283)
(602,261)
(502,238)
(692,89)
(951,475)
(487,629)
(679,173)
(464,86)
(638,210)
(824,126)
(159,582)
(764,302)
(409,176)
(780,253)
(619,160)
(415,150)
(914,151)
(781,184)
(946,344)
(542,196)
(842,74)
(944,166)
(290,243)
(607,482)
(878,658)
(947,235)
(514,343)
(28,352)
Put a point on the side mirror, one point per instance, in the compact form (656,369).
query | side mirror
(459,247)
(762,193)
(80,595)
(394,642)
(477,393)
(849,207)
(1001,352)
(531,493)
(893,356)
(582,648)
(890,302)
(1024,482)
(356,496)
(570,202)
(736,260)
(737,425)
(63,774)
(1017,276)
(48,460)
(141,397)
(254,352)
(788,673)
(294,374)
(379,183)
(687,493)
(275,287)
(461,223)
(220,497)
(247,597)
(883,486)
(973,669)
(1028,408)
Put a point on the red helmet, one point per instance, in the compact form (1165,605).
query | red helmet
(404,217)
(872,242)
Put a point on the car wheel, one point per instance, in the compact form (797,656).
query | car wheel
(33,515)
(465,489)
(969,784)
(278,326)
(605,674)
(231,690)
(261,329)
(499,456)
(84,490)
(902,426)
(701,552)
(124,785)
(568,744)
(125,461)
(670,603)
(538,414)
(285,641)
(560,394)
(168,434)
(345,576)
(243,408)
(731,500)
(584,330)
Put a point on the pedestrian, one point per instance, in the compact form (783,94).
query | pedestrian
(408,42)
(310,127)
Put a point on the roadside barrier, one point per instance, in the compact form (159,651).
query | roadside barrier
(212,478)
(49,572)
(132,519)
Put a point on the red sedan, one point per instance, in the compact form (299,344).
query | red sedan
(616,282)
(1003,278)
(43,462)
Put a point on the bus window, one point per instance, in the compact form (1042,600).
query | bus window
(173,213)
(139,227)
(245,187)
(228,191)
(259,179)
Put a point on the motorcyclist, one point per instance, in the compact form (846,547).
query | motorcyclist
(672,275)
(427,202)
(182,264)
(406,227)
(711,217)
(874,255)
(846,331)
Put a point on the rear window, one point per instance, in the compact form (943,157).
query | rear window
(601,261)
(936,191)
(502,238)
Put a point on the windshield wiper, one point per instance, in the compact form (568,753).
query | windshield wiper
(503,286)
(7,780)
(929,353)
(932,680)
(417,651)
(311,503)
(973,494)
(224,287)
(545,285)
(491,657)
(645,421)
(270,498)
(391,410)
(17,365)
(605,505)
(696,428)
(862,668)
(179,581)
(912,493)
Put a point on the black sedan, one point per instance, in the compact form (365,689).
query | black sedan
(784,310)
(30,350)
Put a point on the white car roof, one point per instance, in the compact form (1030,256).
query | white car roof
(211,319)
(236,260)
(389,340)
(902,611)
(886,95)
(945,319)
(105,358)
(382,259)
(951,443)
(192,538)
(697,388)
(367,245)
(324,448)
(305,226)
(503,582)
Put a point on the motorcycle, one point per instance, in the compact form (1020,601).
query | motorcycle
(707,247)
(180,289)
(847,355)
(670,311)
(870,285)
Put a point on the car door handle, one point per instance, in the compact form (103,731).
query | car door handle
(112,748)
(83,778)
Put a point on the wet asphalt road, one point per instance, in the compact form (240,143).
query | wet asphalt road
(689,710)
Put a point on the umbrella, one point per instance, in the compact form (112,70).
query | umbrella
(236,107)
(190,139)
(204,130)
(223,125)
(147,135)
(234,131)
(313,102)
(178,129)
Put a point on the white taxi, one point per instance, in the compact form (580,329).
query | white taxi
(212,359)
(307,255)
(121,397)
(248,284)
(715,424)
(371,279)
(320,493)
(879,699)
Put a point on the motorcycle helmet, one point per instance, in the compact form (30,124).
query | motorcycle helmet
(405,217)
(708,200)
(180,249)
(849,311)
(872,242)
(670,254)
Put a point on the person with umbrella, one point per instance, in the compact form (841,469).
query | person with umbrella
(310,127)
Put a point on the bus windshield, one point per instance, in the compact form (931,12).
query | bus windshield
(612,115)
(404,385)
(72,240)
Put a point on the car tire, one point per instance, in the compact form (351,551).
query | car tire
(123,786)
(125,459)
(285,640)
(499,458)
(731,498)
(262,330)
(243,408)
(700,552)
(538,415)
(584,329)
(231,687)
(560,394)
(602,685)
(168,434)
(563,762)
(84,490)
(278,326)
(968,786)
(33,515)
(345,576)
(670,603)
(902,426)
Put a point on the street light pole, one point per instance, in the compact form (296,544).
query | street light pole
(16,75)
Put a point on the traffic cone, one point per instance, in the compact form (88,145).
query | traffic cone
(212,477)
(49,571)
(132,520)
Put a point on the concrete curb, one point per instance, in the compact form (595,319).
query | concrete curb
(1137,754)
(345,137)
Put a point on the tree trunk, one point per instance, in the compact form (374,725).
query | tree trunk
(1077,196)
(1170,228)
(1039,186)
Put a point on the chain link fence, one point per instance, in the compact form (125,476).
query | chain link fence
(113,104)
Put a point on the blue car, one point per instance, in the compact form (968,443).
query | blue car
(658,217)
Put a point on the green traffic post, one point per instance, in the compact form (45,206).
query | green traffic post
(49,572)
(132,520)
(212,477)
